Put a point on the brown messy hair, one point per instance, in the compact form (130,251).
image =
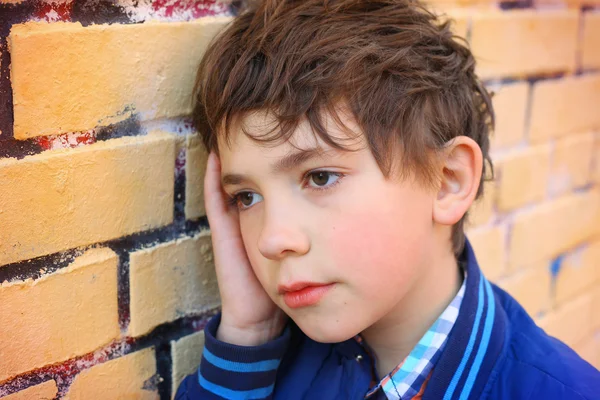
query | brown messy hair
(409,83)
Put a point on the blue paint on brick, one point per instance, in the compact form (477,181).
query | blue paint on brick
(556,265)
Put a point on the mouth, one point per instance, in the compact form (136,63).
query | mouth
(303,294)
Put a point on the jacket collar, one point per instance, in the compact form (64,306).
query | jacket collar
(474,343)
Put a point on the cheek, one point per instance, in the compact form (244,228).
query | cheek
(264,269)
(250,230)
(382,242)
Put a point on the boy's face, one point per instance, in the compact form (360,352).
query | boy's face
(327,217)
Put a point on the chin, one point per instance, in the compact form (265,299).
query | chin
(328,332)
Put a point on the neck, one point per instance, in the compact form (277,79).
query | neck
(394,336)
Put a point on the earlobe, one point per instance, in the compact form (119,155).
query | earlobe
(460,175)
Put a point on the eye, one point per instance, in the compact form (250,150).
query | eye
(323,179)
(246,200)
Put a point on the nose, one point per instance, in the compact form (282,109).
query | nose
(282,235)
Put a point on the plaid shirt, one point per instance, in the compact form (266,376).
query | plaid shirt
(409,377)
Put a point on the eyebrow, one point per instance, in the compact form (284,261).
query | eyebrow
(286,163)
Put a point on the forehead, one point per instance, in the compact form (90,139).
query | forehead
(262,124)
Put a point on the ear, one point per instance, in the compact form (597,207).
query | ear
(461,166)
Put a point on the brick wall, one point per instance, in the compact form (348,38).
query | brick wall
(105,261)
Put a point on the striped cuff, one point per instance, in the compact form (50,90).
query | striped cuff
(240,372)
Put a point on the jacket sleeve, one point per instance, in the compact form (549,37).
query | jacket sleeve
(229,371)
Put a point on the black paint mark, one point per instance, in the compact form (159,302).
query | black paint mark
(128,127)
(125,245)
(37,267)
(175,330)
(17,148)
(151,384)
(161,338)
(64,373)
(89,12)
(179,209)
(236,7)
(516,5)
(14,14)
(6,109)
(43,265)
(9,14)
(164,370)
(544,77)
(123,296)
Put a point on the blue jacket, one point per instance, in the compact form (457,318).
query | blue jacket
(495,351)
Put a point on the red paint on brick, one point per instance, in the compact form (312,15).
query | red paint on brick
(54,11)
(65,373)
(87,137)
(196,9)
(44,142)
(67,140)
(180,162)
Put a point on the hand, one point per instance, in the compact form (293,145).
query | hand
(249,317)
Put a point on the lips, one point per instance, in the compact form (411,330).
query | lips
(303,294)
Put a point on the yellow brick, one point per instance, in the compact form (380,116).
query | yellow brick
(570,323)
(510,106)
(517,43)
(186,354)
(580,271)
(589,350)
(59,316)
(553,228)
(467,5)
(489,244)
(560,3)
(523,177)
(195,167)
(571,163)
(128,377)
(590,46)
(482,211)
(563,106)
(170,281)
(100,74)
(62,199)
(460,20)
(43,391)
(530,287)
(596,161)
(596,308)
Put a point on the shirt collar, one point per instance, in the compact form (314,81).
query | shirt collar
(476,342)
(406,380)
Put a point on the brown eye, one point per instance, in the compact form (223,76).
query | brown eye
(246,198)
(320,178)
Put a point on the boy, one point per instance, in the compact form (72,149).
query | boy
(348,140)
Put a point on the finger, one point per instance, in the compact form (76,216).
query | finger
(221,219)
(214,199)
